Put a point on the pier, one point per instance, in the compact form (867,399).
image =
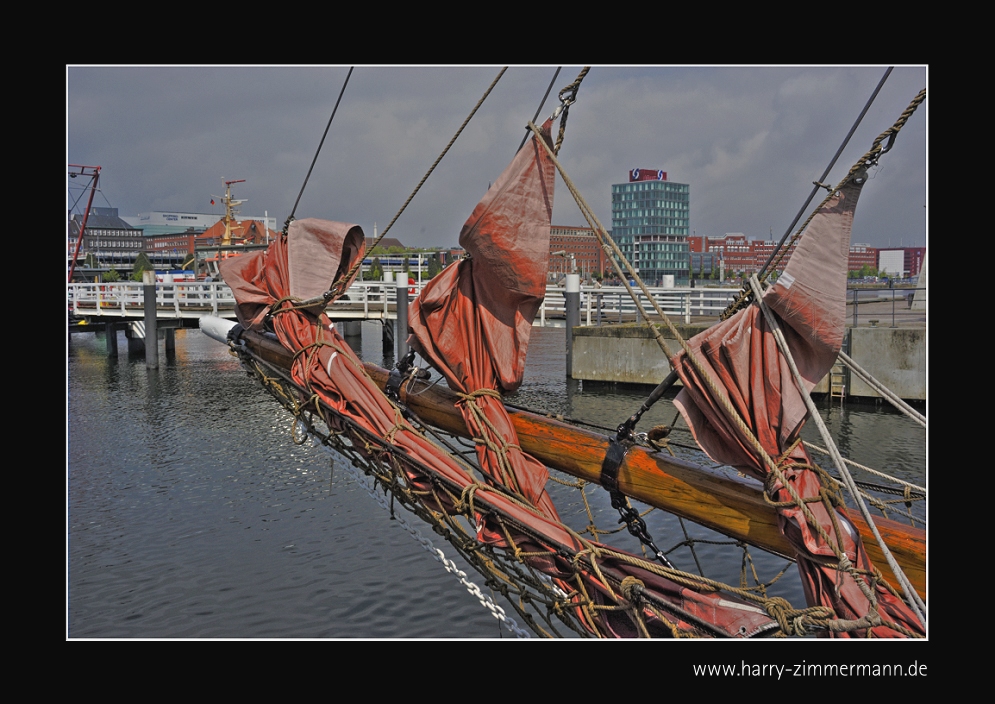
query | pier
(609,341)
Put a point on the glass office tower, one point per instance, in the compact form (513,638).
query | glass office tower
(651,224)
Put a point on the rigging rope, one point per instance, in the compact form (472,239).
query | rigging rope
(508,571)
(486,601)
(858,170)
(355,267)
(539,109)
(317,152)
(887,393)
(568,96)
(911,596)
(780,251)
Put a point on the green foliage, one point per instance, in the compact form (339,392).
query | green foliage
(375,272)
(434,266)
(111,276)
(142,264)
(868,270)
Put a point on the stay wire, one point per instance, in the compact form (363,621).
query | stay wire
(815,189)
(342,282)
(315,160)
(832,163)
(539,109)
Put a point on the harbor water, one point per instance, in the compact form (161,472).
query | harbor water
(192,513)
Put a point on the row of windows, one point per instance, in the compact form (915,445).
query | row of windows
(655,229)
(619,213)
(114,244)
(658,186)
(660,200)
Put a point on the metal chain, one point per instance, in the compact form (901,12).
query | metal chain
(486,601)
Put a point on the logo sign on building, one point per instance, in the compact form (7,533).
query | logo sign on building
(647,175)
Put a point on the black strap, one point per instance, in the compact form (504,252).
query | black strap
(618,447)
(393,387)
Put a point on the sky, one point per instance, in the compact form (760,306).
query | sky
(749,140)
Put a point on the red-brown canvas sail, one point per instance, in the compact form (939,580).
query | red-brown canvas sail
(326,366)
(473,321)
(755,382)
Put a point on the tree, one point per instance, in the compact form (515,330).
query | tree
(111,276)
(142,264)
(375,272)
(434,266)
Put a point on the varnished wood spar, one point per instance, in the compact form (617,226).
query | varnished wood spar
(732,507)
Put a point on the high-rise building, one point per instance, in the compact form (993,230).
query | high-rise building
(651,219)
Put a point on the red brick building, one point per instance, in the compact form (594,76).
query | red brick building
(862,255)
(738,252)
(582,244)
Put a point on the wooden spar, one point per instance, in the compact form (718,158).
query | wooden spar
(735,508)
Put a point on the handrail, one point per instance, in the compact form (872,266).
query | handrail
(376,300)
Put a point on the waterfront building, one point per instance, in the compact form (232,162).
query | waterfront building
(914,260)
(111,240)
(160,222)
(734,252)
(651,224)
(862,255)
(575,250)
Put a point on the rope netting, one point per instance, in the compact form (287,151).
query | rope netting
(548,607)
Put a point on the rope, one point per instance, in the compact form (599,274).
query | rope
(499,448)
(825,174)
(608,244)
(868,160)
(912,597)
(856,171)
(887,393)
(352,270)
(318,151)
(568,96)
(573,607)
(486,601)
(869,470)
(539,109)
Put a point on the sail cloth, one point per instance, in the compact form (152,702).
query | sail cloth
(292,269)
(754,379)
(473,321)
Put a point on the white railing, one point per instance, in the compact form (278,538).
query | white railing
(126,299)
(613,304)
(377,299)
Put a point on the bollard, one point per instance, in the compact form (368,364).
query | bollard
(402,318)
(572,297)
(151,329)
(387,337)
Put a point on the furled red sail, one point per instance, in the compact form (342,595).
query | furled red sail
(270,287)
(753,378)
(473,321)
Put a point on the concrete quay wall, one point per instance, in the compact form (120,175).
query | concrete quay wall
(628,353)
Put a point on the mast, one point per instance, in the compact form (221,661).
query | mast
(230,211)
